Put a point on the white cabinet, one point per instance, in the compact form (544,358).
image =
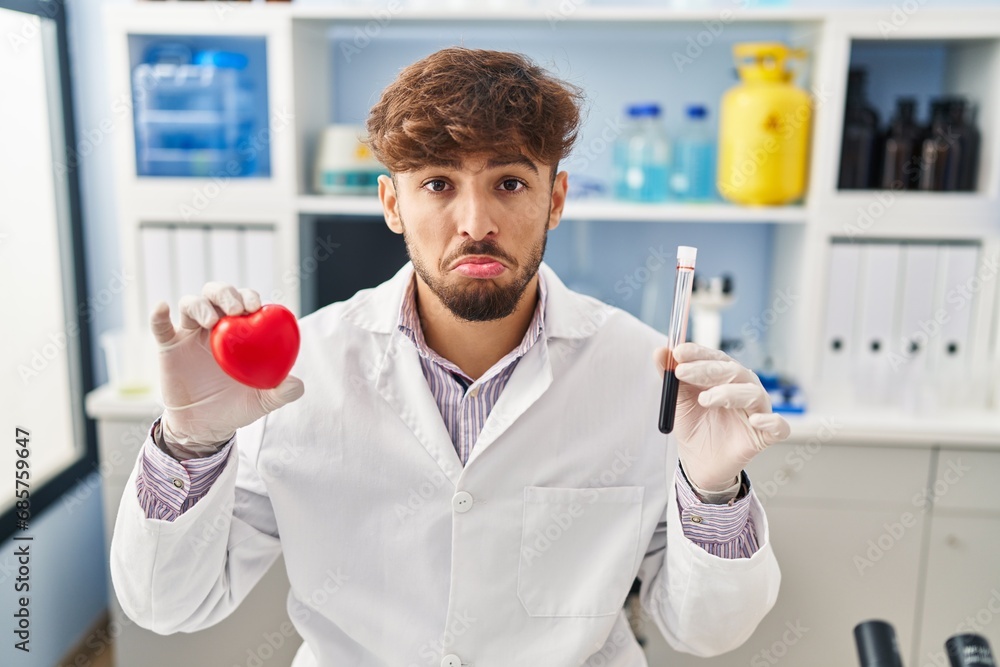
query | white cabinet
(824,593)
(259,627)
(962,583)
(910,535)
(847,527)
(962,591)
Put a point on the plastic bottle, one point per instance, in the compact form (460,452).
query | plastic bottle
(642,156)
(763,129)
(693,176)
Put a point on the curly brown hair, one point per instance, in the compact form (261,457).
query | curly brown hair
(460,101)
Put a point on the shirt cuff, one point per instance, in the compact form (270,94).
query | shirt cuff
(722,529)
(167,487)
(723,497)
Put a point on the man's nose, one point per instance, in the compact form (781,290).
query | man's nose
(475,215)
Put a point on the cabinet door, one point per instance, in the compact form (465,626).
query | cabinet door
(963,583)
(832,579)
(966,481)
(786,473)
(259,632)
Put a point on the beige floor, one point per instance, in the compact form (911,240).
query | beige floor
(99,656)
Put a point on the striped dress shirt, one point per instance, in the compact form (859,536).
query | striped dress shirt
(169,482)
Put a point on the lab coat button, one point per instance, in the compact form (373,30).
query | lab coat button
(462,502)
(178,483)
(451,660)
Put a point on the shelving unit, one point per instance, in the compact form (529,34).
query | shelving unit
(591,209)
(317,55)
(311,83)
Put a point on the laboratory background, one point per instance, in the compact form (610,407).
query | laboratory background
(837,165)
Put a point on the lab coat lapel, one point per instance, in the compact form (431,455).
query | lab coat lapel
(399,378)
(402,384)
(531,377)
(569,317)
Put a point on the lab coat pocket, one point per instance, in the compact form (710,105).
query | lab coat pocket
(578,549)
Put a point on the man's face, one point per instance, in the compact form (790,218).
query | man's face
(475,232)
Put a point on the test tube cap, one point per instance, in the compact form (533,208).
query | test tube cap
(686,255)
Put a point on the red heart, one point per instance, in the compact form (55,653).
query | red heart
(258,349)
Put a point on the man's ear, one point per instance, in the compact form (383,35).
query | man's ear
(390,203)
(560,185)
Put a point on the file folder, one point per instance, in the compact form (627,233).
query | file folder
(157,272)
(913,341)
(838,333)
(951,348)
(259,261)
(880,268)
(225,256)
(190,259)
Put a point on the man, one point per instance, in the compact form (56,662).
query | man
(476,461)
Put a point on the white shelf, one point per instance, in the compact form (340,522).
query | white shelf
(107,404)
(867,18)
(590,209)
(339,205)
(677,212)
(969,428)
(555,13)
(954,428)
(910,213)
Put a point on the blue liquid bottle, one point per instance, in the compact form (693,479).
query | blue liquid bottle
(642,156)
(693,175)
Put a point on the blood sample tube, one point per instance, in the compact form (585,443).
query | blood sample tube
(676,333)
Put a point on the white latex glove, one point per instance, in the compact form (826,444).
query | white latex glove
(723,416)
(203,405)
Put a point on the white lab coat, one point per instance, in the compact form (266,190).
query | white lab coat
(398,555)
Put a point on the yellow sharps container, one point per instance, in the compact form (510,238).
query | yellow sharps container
(763,129)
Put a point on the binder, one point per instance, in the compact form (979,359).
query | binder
(880,268)
(157,270)
(839,320)
(951,349)
(225,256)
(913,339)
(190,259)
(260,253)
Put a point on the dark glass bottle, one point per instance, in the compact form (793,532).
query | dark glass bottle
(950,153)
(901,148)
(934,151)
(968,134)
(858,153)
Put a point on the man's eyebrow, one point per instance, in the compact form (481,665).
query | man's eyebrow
(503,161)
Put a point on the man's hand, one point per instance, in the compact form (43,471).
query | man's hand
(723,417)
(202,405)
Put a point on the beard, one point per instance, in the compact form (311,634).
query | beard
(479,300)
